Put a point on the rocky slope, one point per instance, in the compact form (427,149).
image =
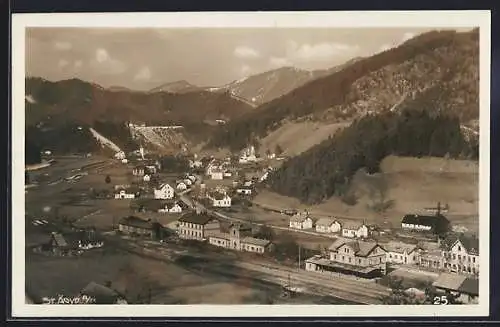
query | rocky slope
(438,71)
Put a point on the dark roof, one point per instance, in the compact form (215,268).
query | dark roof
(134,221)
(470,243)
(470,286)
(72,239)
(361,248)
(100,293)
(432,221)
(199,219)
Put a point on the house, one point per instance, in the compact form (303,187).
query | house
(136,225)
(328,225)
(355,230)
(401,253)
(146,178)
(220,199)
(244,191)
(124,161)
(239,238)
(197,226)
(138,171)
(192,178)
(228,174)
(217,174)
(301,221)
(195,164)
(125,194)
(170,207)
(248,155)
(120,155)
(465,289)
(73,242)
(461,254)
(187,181)
(247,183)
(181,186)
(432,259)
(360,258)
(165,192)
(150,169)
(437,224)
(100,294)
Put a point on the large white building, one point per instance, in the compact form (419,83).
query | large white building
(461,255)
(165,192)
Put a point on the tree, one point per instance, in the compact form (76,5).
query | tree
(107,179)
(278,150)
(266,233)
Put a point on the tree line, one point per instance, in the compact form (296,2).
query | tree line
(327,169)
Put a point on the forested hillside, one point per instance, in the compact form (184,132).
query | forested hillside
(326,169)
(444,60)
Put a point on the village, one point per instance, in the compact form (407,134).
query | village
(209,202)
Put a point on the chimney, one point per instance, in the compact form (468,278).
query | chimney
(439,209)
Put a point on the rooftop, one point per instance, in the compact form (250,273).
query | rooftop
(194,218)
(325,262)
(134,221)
(425,220)
(460,283)
(325,221)
(399,247)
(361,248)
(255,241)
(101,293)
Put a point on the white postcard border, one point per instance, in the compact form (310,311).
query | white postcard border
(437,19)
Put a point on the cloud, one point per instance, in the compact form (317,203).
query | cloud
(62,63)
(407,36)
(144,74)
(320,51)
(78,64)
(244,52)
(279,62)
(102,55)
(245,70)
(62,46)
(107,64)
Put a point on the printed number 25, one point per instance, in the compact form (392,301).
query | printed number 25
(443,300)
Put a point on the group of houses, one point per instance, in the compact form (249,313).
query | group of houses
(457,254)
(69,243)
(202,227)
(304,221)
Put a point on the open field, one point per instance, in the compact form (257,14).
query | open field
(413,184)
(295,138)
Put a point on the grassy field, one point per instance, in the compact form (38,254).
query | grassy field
(295,138)
(413,184)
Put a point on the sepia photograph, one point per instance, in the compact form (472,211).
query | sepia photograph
(251,164)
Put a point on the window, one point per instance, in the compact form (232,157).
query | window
(349,260)
(454,256)
(359,261)
(474,259)
(459,257)
(335,256)
(459,248)
(468,259)
(343,258)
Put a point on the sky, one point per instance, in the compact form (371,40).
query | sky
(143,58)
